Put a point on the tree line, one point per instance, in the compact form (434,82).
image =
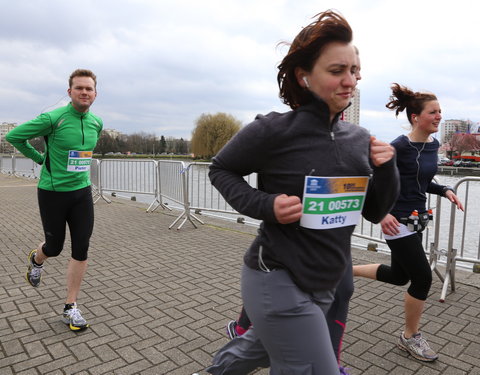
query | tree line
(137,143)
(210,134)
(141,143)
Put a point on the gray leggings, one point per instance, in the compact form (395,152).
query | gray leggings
(289,329)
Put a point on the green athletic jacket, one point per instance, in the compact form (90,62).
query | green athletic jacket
(70,137)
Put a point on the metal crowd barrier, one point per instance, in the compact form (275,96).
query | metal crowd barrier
(188,188)
(469,230)
(128,176)
(174,187)
(203,197)
(95,179)
(365,230)
(170,184)
(19,166)
(164,181)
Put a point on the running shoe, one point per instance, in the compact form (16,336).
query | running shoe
(73,317)
(231,329)
(343,371)
(34,272)
(418,347)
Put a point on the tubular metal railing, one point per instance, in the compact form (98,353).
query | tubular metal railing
(170,184)
(175,184)
(129,176)
(203,197)
(19,166)
(469,234)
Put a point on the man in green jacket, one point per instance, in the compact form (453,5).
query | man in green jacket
(64,189)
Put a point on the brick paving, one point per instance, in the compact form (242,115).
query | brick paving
(158,300)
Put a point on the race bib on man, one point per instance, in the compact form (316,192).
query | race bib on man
(332,202)
(79,161)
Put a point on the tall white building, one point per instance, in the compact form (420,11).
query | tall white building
(5,127)
(352,113)
(450,127)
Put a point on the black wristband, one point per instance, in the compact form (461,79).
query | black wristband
(447,188)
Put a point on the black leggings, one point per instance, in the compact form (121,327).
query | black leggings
(408,263)
(243,320)
(59,208)
(338,312)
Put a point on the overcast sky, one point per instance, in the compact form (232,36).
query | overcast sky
(161,64)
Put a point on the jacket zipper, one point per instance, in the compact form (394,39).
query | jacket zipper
(83,134)
(332,138)
(332,134)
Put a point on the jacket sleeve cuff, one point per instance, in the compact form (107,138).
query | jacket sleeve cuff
(447,188)
(269,211)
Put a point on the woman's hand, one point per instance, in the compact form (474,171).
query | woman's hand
(451,196)
(390,225)
(287,209)
(380,152)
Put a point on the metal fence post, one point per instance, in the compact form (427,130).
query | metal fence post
(158,202)
(97,189)
(186,214)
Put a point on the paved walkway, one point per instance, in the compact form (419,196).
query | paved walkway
(158,300)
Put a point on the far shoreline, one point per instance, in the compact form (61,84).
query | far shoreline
(458,171)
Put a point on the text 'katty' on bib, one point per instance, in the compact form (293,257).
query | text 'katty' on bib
(332,202)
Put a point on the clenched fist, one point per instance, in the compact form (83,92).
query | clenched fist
(380,152)
(287,209)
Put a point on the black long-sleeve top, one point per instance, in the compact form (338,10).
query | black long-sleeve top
(283,148)
(417,164)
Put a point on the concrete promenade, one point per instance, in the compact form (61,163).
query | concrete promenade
(158,300)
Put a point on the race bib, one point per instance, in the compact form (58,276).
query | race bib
(79,161)
(332,202)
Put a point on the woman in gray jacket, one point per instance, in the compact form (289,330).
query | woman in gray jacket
(316,176)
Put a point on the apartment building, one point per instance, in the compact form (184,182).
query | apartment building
(5,147)
(450,127)
(352,113)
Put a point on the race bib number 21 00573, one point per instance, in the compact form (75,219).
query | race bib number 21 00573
(332,202)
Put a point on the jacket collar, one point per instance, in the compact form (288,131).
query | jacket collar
(74,112)
(320,108)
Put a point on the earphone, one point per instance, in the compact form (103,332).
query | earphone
(419,152)
(307,85)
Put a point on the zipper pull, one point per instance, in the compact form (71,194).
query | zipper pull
(332,135)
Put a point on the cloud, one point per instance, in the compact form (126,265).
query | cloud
(161,64)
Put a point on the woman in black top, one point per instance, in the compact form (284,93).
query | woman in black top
(417,155)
